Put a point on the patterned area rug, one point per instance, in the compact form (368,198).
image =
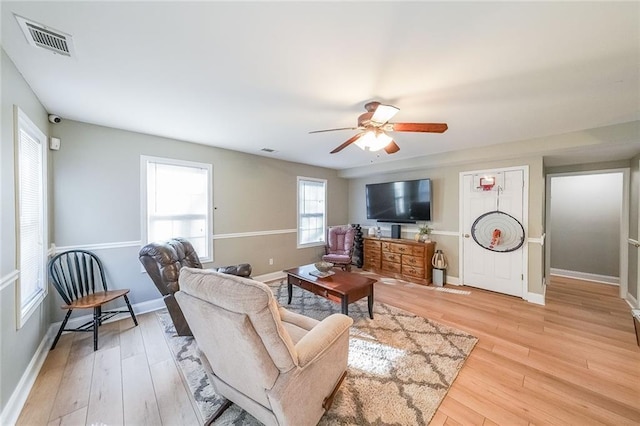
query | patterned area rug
(400,365)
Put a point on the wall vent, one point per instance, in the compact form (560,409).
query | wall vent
(44,37)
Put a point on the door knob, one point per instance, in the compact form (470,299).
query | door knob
(467,235)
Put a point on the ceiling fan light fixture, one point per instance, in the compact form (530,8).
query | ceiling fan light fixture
(373,141)
(384,113)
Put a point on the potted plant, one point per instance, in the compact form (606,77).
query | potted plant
(424,232)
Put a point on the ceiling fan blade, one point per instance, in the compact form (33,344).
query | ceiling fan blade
(333,130)
(347,143)
(420,127)
(384,113)
(392,148)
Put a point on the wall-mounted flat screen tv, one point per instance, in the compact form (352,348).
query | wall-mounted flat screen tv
(401,202)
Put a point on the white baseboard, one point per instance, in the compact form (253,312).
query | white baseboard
(138,309)
(272,276)
(11,411)
(9,415)
(536,298)
(453,280)
(603,279)
(632,301)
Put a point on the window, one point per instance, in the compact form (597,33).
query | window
(177,202)
(32,238)
(312,211)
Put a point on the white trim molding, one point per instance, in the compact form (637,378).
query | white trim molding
(138,243)
(539,240)
(272,276)
(19,396)
(138,309)
(253,234)
(448,233)
(453,280)
(12,409)
(8,279)
(101,246)
(586,276)
(536,298)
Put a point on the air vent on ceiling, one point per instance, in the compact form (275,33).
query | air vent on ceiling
(39,35)
(268,150)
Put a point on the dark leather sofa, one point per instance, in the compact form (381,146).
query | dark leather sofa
(163,262)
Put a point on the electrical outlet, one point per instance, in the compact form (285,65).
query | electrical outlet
(270,261)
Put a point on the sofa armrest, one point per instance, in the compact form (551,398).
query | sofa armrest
(321,337)
(241,270)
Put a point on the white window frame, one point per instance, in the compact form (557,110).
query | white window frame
(22,123)
(145,160)
(298,213)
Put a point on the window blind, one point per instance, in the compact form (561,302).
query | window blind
(31,216)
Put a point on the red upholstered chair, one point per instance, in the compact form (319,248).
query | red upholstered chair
(339,248)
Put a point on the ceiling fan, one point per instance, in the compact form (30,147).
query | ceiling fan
(374,125)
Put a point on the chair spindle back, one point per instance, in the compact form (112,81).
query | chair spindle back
(76,273)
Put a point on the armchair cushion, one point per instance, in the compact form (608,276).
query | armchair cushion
(340,245)
(340,240)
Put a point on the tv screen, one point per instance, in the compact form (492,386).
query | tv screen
(402,202)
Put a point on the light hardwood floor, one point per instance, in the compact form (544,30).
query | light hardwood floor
(574,361)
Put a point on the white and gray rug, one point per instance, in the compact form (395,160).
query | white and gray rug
(400,365)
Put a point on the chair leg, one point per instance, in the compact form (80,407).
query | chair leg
(64,322)
(133,316)
(96,324)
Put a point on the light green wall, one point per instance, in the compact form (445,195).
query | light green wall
(97,201)
(17,347)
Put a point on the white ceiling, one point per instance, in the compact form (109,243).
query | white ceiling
(247,76)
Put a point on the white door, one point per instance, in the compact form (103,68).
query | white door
(502,272)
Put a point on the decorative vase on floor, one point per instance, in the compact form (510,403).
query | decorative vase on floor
(358,244)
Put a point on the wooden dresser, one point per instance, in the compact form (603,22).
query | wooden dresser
(403,259)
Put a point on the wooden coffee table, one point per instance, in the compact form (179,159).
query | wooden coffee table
(341,287)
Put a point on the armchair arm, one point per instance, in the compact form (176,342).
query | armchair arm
(241,270)
(296,319)
(321,337)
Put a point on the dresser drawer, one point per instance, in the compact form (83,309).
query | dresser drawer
(400,248)
(418,251)
(386,246)
(372,245)
(416,261)
(372,263)
(391,257)
(412,271)
(392,267)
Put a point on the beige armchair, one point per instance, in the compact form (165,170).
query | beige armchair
(281,367)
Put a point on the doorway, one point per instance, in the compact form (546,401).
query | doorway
(587,226)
